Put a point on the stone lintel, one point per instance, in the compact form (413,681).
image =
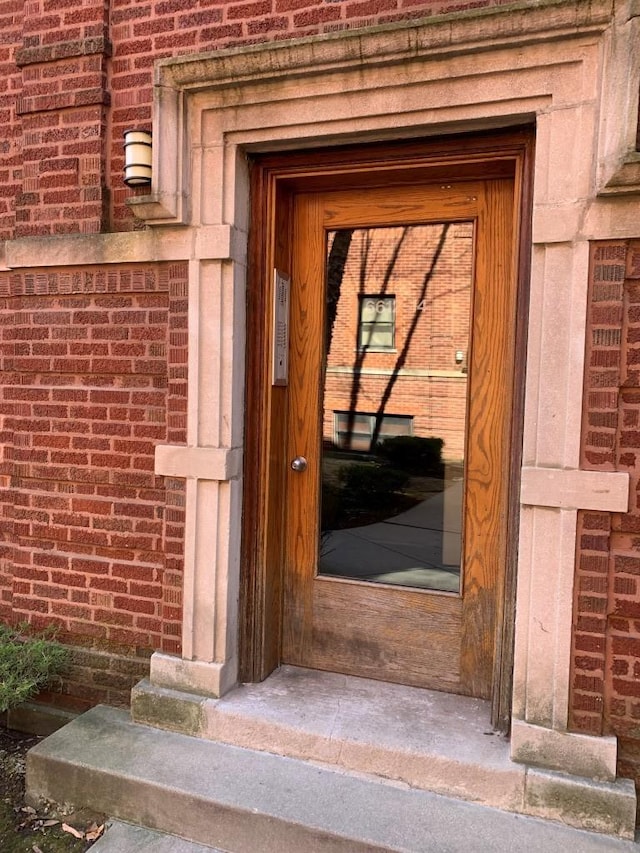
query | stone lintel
(581,755)
(607,491)
(199,463)
(440,35)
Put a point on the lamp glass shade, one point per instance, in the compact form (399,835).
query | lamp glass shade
(137,158)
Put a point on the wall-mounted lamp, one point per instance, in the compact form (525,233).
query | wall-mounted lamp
(459,356)
(137,158)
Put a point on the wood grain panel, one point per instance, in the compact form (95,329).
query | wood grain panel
(488,433)
(303,494)
(379,632)
(380,206)
(366,629)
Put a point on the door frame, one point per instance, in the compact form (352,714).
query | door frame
(274,180)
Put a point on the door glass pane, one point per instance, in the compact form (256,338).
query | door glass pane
(395,399)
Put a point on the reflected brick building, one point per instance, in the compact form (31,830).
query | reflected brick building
(399,342)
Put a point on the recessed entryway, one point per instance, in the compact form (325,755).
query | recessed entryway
(383,355)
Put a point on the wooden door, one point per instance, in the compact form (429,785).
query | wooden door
(399,397)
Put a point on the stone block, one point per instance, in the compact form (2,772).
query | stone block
(167,709)
(607,807)
(582,755)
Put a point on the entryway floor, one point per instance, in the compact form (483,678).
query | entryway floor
(428,740)
(432,740)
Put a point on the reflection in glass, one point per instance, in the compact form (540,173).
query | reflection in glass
(395,395)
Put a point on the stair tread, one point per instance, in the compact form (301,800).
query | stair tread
(244,800)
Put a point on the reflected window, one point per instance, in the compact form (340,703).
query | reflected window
(395,397)
(377,323)
(355,430)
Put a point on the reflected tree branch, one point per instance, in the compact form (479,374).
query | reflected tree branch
(402,356)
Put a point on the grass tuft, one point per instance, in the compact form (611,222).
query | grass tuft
(28,663)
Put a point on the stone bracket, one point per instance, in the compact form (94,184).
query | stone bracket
(159,208)
(625,178)
(607,491)
(199,463)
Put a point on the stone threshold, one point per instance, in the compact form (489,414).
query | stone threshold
(432,741)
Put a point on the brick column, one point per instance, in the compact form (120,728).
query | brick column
(605,697)
(597,453)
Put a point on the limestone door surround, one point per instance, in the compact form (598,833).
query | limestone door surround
(558,66)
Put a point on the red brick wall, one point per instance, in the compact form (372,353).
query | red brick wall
(11,19)
(606,644)
(74,77)
(93,377)
(61,105)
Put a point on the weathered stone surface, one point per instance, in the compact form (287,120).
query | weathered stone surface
(167,709)
(244,801)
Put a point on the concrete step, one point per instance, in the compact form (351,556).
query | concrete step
(428,739)
(245,801)
(127,838)
(435,741)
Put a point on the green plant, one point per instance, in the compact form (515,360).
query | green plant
(28,662)
(420,456)
(369,486)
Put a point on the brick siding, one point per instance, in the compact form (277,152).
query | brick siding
(61,106)
(605,695)
(93,377)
